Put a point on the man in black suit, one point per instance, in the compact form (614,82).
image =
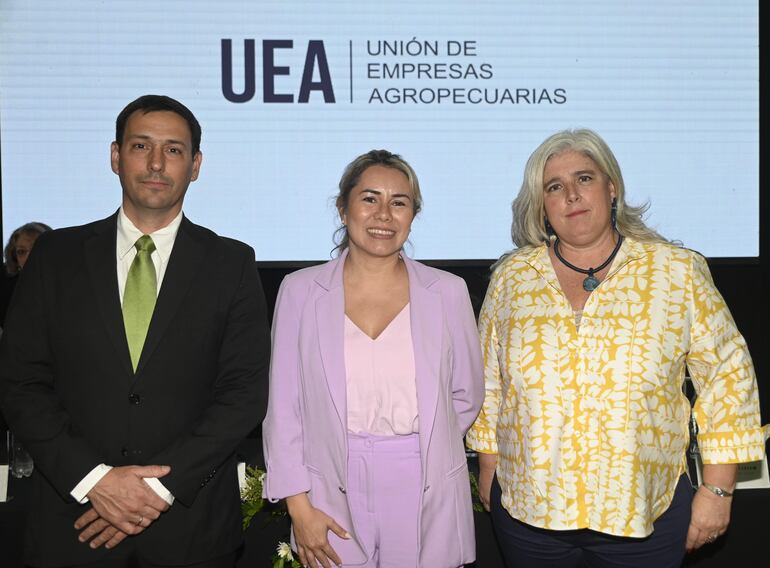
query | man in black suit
(134,360)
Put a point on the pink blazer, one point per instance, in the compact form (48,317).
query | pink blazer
(305,432)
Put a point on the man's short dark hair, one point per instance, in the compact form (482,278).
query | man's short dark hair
(154,103)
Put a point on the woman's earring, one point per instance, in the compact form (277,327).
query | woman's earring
(614,213)
(548,228)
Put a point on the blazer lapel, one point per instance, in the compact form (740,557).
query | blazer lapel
(330,323)
(427,336)
(187,257)
(425,312)
(101,263)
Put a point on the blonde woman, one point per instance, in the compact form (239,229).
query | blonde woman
(586,330)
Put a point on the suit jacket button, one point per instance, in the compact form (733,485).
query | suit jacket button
(124,452)
(134,399)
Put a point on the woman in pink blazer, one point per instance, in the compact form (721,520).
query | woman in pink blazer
(376,376)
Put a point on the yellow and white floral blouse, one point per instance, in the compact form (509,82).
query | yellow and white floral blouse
(590,424)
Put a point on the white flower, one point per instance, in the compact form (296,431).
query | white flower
(284,551)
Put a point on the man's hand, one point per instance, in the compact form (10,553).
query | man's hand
(124,500)
(98,531)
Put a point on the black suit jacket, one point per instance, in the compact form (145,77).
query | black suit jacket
(7,284)
(69,392)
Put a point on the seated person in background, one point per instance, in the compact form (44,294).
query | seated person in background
(16,253)
(586,330)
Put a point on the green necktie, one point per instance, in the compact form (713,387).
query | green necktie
(139,297)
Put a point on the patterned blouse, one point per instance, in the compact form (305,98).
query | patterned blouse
(590,424)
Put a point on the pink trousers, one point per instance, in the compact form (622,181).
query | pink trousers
(384,489)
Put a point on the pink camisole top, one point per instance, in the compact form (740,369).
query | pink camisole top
(381,379)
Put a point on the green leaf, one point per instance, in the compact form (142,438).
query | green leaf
(475,497)
(251,496)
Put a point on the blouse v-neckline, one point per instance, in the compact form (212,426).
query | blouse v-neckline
(384,330)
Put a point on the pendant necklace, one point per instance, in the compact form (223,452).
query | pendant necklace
(590,282)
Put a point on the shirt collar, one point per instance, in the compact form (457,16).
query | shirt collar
(163,238)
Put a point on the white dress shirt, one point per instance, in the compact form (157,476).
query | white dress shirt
(128,234)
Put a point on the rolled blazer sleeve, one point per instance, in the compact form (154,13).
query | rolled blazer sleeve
(467,373)
(482,436)
(282,431)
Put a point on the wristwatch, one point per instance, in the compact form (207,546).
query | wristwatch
(717,490)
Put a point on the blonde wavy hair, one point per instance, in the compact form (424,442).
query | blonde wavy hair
(528,226)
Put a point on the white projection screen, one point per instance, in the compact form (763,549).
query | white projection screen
(289,92)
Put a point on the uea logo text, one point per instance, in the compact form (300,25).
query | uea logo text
(316,64)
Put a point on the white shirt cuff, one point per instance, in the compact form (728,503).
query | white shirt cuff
(80,492)
(160,489)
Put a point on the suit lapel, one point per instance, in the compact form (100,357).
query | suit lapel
(330,322)
(425,311)
(101,262)
(186,259)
